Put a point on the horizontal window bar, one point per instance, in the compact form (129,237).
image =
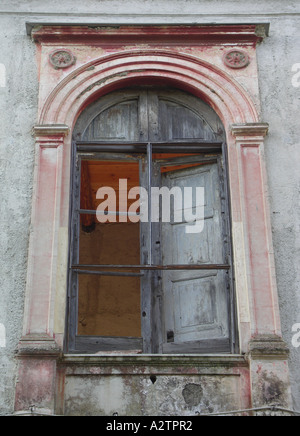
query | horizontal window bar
(108,274)
(157,267)
(95,212)
(195,141)
(161,147)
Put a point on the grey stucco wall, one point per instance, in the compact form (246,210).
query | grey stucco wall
(18,111)
(281,108)
(18,103)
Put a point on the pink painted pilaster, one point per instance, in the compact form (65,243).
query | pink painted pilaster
(44,224)
(263,297)
(38,350)
(37,375)
(267,352)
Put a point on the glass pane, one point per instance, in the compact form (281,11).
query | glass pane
(109,306)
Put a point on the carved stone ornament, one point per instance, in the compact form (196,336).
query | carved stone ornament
(236,59)
(62,59)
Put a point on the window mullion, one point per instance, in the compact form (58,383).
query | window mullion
(149,162)
(74,247)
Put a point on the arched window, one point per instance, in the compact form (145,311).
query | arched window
(150,255)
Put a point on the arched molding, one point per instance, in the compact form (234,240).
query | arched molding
(102,75)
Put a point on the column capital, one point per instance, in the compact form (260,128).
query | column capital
(250,129)
(268,347)
(34,345)
(50,135)
(50,130)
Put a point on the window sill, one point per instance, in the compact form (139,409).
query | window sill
(96,364)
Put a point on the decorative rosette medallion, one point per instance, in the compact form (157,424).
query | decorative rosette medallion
(236,59)
(62,58)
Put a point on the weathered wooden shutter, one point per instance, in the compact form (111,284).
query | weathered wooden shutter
(195,304)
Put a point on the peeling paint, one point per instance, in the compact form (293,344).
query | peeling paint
(273,389)
(137,395)
(192,394)
(101,82)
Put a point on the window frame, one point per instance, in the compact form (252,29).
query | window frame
(92,344)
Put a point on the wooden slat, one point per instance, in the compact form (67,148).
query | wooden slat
(146,281)
(157,293)
(199,142)
(74,250)
(224,168)
(158,267)
(94,344)
(170,147)
(212,346)
(108,273)
(86,195)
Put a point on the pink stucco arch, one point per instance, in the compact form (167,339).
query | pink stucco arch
(245,153)
(102,75)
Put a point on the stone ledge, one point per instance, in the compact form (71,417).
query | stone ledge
(147,365)
(155,359)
